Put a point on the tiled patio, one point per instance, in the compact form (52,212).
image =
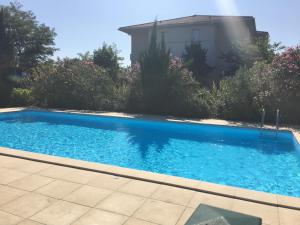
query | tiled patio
(33,193)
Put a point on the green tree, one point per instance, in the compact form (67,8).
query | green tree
(6,45)
(267,50)
(108,57)
(195,59)
(246,54)
(240,55)
(32,42)
(87,56)
(24,43)
(6,58)
(154,64)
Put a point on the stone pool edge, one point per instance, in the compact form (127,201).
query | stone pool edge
(200,186)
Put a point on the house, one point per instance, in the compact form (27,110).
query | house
(216,34)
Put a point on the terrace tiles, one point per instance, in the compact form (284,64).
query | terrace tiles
(112,200)
(140,188)
(121,203)
(88,195)
(97,217)
(8,194)
(159,212)
(108,181)
(289,217)
(31,182)
(9,175)
(133,221)
(8,219)
(173,195)
(27,205)
(58,189)
(29,222)
(60,212)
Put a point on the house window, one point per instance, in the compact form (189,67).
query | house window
(195,35)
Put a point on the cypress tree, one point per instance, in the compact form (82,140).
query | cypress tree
(154,64)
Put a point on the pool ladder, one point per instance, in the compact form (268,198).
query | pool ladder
(263,115)
(277,119)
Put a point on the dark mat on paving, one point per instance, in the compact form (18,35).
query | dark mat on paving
(209,215)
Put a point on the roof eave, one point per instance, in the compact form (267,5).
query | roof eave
(130,29)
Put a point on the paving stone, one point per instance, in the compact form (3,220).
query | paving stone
(9,175)
(140,188)
(8,219)
(108,181)
(58,189)
(8,193)
(27,205)
(60,213)
(173,195)
(133,221)
(79,176)
(100,217)
(289,216)
(159,212)
(56,172)
(29,222)
(121,203)
(88,195)
(30,183)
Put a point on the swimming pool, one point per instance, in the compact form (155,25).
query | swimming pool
(256,159)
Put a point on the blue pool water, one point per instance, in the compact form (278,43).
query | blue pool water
(249,158)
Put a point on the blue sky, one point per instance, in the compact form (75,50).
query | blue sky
(83,25)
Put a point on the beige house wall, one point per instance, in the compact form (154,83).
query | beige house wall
(139,43)
(215,38)
(177,38)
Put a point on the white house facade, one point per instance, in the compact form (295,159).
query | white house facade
(216,34)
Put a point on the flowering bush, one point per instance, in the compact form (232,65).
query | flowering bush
(176,63)
(182,96)
(73,83)
(269,86)
(287,69)
(185,96)
(289,61)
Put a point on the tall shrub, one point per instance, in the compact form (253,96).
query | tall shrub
(72,83)
(154,63)
(246,54)
(287,77)
(6,58)
(185,96)
(108,57)
(195,60)
(237,97)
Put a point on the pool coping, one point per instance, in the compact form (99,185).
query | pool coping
(196,185)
